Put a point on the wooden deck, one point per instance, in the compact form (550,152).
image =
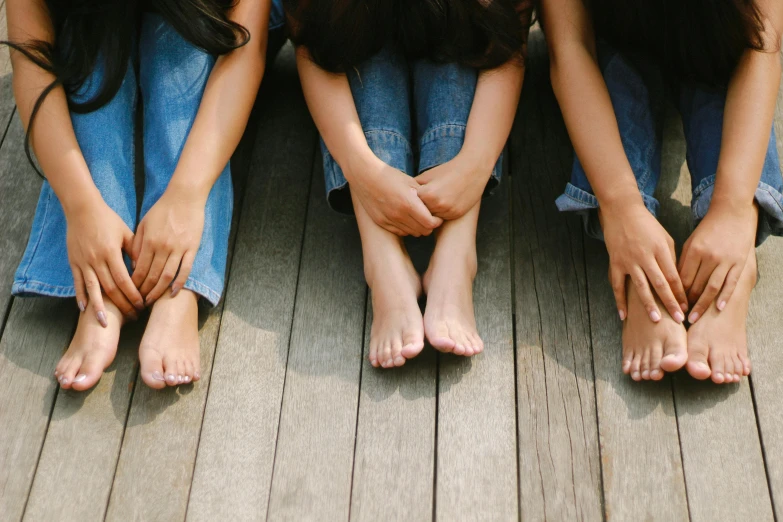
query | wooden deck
(290,422)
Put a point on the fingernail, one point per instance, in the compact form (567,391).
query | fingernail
(684,307)
(102,318)
(679,317)
(655,316)
(157,376)
(133,265)
(80,377)
(622,314)
(139,305)
(693,317)
(82,306)
(174,290)
(721,305)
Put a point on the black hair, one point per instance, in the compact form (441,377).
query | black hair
(341,34)
(86,31)
(695,40)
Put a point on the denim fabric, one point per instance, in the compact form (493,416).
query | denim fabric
(413,113)
(636,88)
(172,78)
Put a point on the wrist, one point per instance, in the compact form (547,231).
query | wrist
(80,202)
(623,200)
(478,160)
(187,190)
(359,164)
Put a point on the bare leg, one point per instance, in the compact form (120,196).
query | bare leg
(397,328)
(449,321)
(169,351)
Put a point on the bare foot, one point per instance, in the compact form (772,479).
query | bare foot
(92,349)
(650,349)
(397,332)
(170,351)
(717,343)
(449,320)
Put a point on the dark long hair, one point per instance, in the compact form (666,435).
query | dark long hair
(340,34)
(694,40)
(86,31)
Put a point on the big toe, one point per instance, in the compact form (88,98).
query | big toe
(152,370)
(441,340)
(413,344)
(675,355)
(89,373)
(697,364)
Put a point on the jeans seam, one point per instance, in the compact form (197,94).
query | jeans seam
(40,234)
(387,131)
(430,135)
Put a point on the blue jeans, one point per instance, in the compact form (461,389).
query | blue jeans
(172,77)
(636,90)
(402,103)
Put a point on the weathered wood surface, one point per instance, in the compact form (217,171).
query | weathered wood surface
(236,451)
(558,434)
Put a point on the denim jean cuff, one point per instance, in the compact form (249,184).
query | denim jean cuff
(442,144)
(389,146)
(585,204)
(39,289)
(768,198)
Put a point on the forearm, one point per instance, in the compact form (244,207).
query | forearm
(492,114)
(592,125)
(747,120)
(334,112)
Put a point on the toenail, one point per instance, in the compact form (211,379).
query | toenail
(399,360)
(171,378)
(64,381)
(197,375)
(693,317)
(655,316)
(187,379)
(704,365)
(654,373)
(181,378)
(80,377)
(626,365)
(635,375)
(157,376)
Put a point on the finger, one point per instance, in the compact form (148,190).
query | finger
(669,269)
(414,227)
(184,273)
(136,247)
(689,267)
(143,264)
(732,279)
(122,279)
(128,240)
(78,284)
(661,285)
(425,177)
(169,271)
(421,213)
(701,280)
(93,286)
(394,230)
(645,294)
(155,271)
(709,294)
(617,279)
(113,292)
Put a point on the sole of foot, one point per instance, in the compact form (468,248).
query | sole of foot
(169,351)
(717,342)
(397,332)
(92,349)
(449,318)
(650,349)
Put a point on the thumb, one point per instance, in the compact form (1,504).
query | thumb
(133,243)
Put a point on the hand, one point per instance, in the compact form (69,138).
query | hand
(450,190)
(715,255)
(390,198)
(166,244)
(639,247)
(96,238)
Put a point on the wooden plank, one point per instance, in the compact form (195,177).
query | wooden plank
(765,340)
(235,457)
(37,332)
(78,460)
(165,426)
(560,477)
(315,444)
(721,451)
(7,102)
(476,474)
(394,462)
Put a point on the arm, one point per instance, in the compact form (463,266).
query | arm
(161,250)
(95,254)
(388,195)
(452,189)
(714,256)
(638,245)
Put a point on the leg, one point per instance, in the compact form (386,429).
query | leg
(636,90)
(105,138)
(173,76)
(717,343)
(380,88)
(449,321)
(397,331)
